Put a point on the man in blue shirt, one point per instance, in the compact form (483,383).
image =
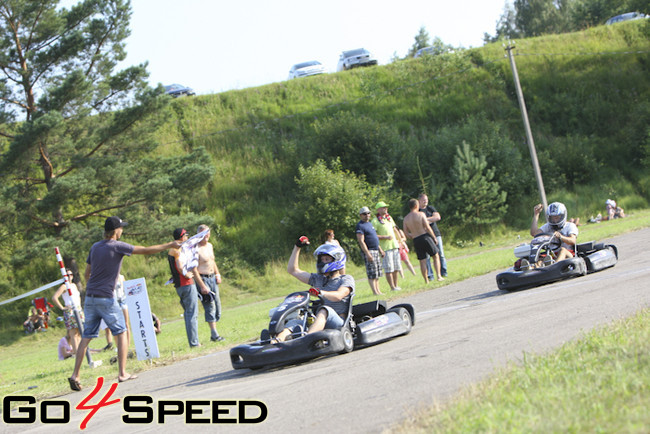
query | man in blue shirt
(372,252)
(102,271)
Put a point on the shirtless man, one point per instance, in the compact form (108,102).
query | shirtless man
(417,228)
(207,281)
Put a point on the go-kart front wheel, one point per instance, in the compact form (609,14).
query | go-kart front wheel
(348,340)
(405,316)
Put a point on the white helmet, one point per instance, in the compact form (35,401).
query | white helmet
(556,215)
(335,252)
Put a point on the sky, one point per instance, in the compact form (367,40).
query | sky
(218,45)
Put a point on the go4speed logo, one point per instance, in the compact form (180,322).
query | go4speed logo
(137,409)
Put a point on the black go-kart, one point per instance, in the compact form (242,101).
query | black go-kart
(539,268)
(365,324)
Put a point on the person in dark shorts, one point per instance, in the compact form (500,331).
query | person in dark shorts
(417,228)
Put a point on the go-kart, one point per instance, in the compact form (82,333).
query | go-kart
(365,324)
(589,258)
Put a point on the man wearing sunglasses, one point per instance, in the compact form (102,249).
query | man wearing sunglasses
(372,252)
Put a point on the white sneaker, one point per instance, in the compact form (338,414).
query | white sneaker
(548,260)
(525,265)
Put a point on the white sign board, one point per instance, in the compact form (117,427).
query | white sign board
(143,333)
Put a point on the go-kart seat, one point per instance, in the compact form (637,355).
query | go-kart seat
(372,308)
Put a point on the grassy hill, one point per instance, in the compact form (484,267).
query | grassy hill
(588,103)
(395,130)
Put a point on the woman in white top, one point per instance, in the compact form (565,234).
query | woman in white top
(70,303)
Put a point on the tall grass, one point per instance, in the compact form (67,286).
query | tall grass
(596,384)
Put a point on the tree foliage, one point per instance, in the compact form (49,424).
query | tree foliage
(422,40)
(330,197)
(80,147)
(478,198)
(527,18)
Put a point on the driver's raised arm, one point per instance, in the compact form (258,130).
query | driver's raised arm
(293,268)
(534,229)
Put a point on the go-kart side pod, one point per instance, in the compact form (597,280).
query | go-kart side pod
(602,256)
(397,321)
(511,280)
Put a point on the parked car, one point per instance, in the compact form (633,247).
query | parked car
(177,90)
(313,67)
(626,17)
(354,58)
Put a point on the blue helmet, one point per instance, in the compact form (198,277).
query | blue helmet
(335,252)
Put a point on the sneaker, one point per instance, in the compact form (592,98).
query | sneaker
(108,347)
(548,260)
(217,339)
(397,288)
(265,335)
(525,265)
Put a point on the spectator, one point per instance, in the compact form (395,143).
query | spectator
(65,348)
(102,271)
(328,238)
(417,227)
(70,303)
(372,252)
(433,217)
(335,288)
(35,322)
(157,325)
(186,290)
(613,211)
(208,280)
(557,224)
(387,234)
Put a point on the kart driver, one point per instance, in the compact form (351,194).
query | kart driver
(335,288)
(556,223)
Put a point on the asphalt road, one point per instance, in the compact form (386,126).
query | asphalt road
(462,333)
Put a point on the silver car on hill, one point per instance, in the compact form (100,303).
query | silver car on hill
(305,69)
(355,58)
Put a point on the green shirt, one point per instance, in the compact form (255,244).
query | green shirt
(385,228)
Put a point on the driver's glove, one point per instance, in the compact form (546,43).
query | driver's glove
(302,241)
(315,292)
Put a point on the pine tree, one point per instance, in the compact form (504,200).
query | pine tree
(78,144)
(421,40)
(477,199)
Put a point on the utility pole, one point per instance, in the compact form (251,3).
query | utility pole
(509,46)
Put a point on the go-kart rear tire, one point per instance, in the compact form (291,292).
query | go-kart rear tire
(405,316)
(348,340)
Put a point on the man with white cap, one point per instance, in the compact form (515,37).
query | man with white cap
(372,252)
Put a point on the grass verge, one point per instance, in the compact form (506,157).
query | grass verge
(30,366)
(599,383)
